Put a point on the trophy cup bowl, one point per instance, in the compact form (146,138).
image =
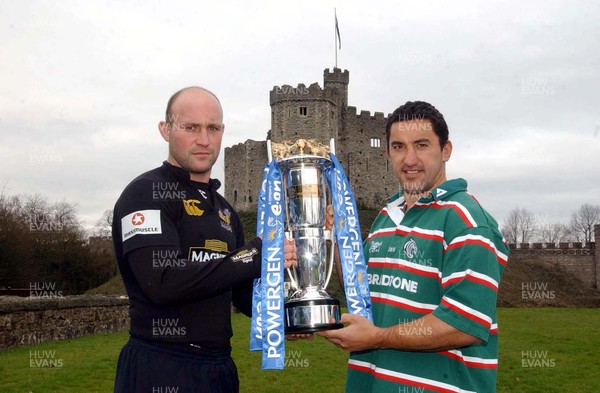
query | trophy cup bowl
(309,308)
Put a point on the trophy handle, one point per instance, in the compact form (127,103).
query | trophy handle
(293,282)
(331,255)
(291,272)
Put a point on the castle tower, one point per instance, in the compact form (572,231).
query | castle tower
(337,80)
(317,113)
(310,113)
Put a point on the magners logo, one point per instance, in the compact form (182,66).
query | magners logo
(191,209)
(213,249)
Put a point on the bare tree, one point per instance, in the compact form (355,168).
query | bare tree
(583,220)
(527,227)
(552,232)
(103,226)
(519,226)
(510,228)
(65,214)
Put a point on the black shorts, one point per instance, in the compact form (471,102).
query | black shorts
(152,367)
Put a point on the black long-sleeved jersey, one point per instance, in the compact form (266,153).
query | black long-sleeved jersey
(180,250)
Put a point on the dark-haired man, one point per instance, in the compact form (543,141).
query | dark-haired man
(182,255)
(435,258)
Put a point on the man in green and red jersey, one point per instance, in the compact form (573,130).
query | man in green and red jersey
(435,258)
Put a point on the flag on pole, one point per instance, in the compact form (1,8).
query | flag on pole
(337,29)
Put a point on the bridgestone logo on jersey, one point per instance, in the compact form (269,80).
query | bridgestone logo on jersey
(142,222)
(394,281)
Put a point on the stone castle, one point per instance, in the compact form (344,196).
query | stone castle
(317,113)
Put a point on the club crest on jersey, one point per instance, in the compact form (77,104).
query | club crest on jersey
(191,207)
(225,216)
(410,248)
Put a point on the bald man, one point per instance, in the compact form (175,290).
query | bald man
(181,252)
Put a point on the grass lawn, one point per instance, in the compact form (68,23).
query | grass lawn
(541,350)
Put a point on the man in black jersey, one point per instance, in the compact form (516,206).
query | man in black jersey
(181,252)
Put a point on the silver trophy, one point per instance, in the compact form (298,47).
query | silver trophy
(309,308)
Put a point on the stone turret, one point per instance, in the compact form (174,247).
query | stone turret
(310,112)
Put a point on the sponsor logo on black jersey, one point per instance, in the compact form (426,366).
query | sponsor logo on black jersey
(143,222)
(213,249)
(244,256)
(191,207)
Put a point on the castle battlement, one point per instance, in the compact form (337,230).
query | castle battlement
(300,93)
(244,145)
(365,115)
(336,76)
(551,246)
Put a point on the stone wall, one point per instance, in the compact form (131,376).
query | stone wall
(582,260)
(244,164)
(25,321)
(362,153)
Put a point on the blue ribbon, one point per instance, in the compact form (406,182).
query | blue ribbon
(256,321)
(349,241)
(267,328)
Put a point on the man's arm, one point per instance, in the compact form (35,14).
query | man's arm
(427,333)
(182,280)
(194,280)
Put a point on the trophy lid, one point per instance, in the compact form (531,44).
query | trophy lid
(302,148)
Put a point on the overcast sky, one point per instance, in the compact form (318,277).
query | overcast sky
(84,84)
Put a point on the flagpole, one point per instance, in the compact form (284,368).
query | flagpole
(335,35)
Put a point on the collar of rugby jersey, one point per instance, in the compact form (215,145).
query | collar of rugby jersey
(396,203)
(445,189)
(184,176)
(441,192)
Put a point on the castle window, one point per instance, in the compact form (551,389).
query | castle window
(375,142)
(303,111)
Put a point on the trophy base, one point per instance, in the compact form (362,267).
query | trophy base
(312,315)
